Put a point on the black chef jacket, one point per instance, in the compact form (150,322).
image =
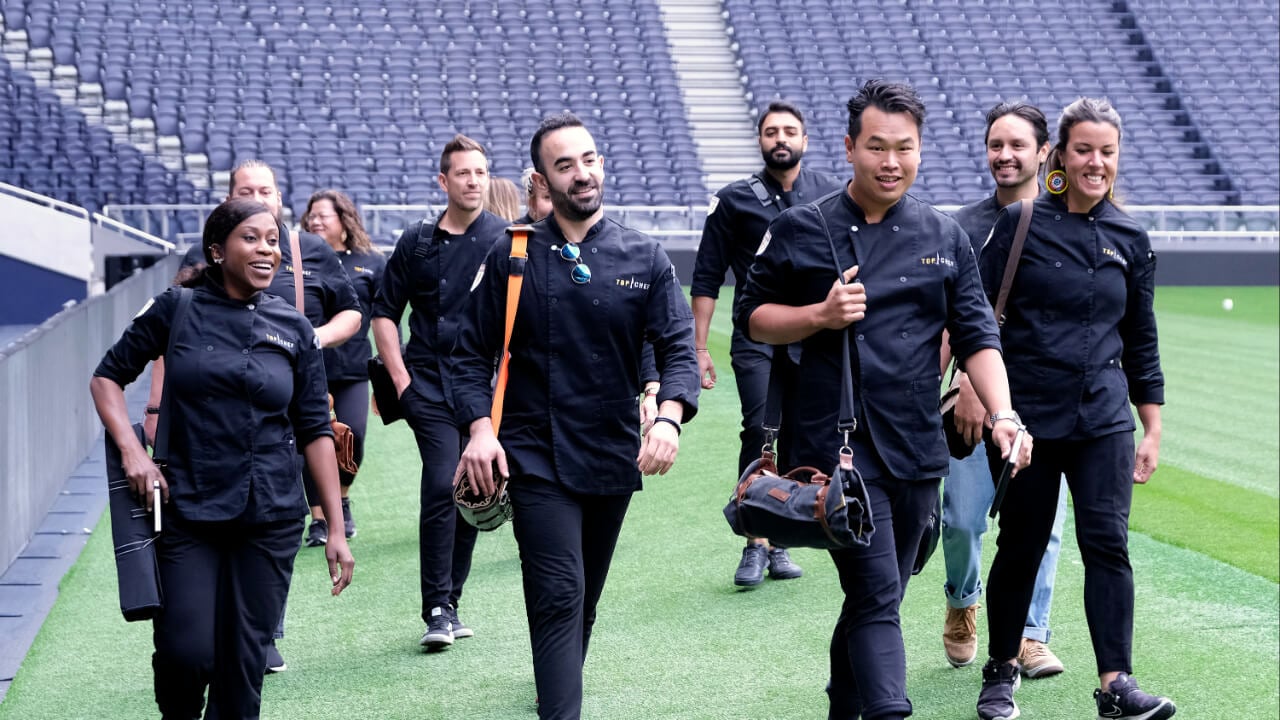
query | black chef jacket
(350,360)
(434,274)
(737,220)
(977,219)
(246,389)
(921,277)
(1080,330)
(570,412)
(326,291)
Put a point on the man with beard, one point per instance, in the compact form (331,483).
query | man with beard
(431,270)
(736,221)
(1017,142)
(570,441)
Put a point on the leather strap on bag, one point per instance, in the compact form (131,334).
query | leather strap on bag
(1015,254)
(160,451)
(515,281)
(295,249)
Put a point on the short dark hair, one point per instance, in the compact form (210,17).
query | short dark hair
(459,143)
(550,124)
(1032,114)
(780,106)
(224,219)
(245,165)
(887,97)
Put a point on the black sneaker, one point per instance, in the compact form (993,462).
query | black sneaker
(780,565)
(999,680)
(348,522)
(317,533)
(459,629)
(439,634)
(1124,701)
(275,662)
(751,570)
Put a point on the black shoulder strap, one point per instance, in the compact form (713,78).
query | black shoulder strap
(762,193)
(423,243)
(161,452)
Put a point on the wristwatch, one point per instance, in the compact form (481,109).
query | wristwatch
(1006,415)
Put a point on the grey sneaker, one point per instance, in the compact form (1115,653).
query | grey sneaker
(348,522)
(318,533)
(439,634)
(780,565)
(999,680)
(460,630)
(755,557)
(1124,701)
(275,662)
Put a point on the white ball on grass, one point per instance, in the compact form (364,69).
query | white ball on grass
(1227,303)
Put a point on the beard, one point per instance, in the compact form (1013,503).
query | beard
(782,161)
(570,208)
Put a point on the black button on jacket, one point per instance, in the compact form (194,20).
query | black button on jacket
(921,277)
(1080,330)
(570,408)
(247,390)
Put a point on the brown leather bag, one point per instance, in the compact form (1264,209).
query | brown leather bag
(344,443)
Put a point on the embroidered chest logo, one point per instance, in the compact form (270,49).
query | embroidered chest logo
(1117,256)
(274,338)
(362,269)
(937,260)
(632,283)
(289,268)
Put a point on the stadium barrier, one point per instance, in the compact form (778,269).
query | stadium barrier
(48,424)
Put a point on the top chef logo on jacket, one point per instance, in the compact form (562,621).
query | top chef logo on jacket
(937,260)
(272,337)
(633,283)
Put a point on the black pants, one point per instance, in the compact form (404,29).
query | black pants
(351,405)
(1099,474)
(224,584)
(445,540)
(750,362)
(868,660)
(566,544)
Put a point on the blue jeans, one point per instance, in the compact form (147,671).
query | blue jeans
(966,497)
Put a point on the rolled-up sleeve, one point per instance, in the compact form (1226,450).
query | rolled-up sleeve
(970,324)
(393,292)
(669,329)
(713,250)
(309,406)
(145,339)
(1141,355)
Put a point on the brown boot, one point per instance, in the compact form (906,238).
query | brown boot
(960,635)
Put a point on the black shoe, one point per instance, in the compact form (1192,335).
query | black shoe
(460,630)
(348,522)
(1124,701)
(275,663)
(439,634)
(781,567)
(318,533)
(751,570)
(999,680)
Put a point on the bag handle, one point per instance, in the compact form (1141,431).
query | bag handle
(515,281)
(160,451)
(848,421)
(295,249)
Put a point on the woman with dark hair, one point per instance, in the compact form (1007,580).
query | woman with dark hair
(333,216)
(245,382)
(1080,345)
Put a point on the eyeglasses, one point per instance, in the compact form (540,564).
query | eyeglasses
(323,216)
(569,252)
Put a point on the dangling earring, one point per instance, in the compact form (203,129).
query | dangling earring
(1056,182)
(217,261)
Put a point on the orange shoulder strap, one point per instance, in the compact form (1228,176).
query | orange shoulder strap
(515,281)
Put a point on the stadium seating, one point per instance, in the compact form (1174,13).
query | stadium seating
(362,95)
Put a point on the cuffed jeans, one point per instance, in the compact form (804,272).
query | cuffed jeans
(966,497)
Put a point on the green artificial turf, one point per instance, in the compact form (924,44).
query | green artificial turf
(676,640)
